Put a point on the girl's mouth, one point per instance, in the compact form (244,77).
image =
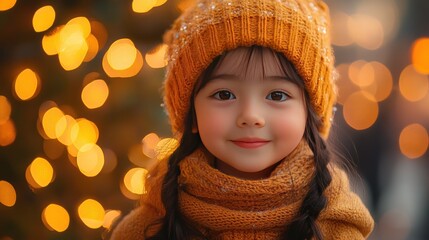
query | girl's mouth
(250,142)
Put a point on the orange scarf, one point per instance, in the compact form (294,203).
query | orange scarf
(225,207)
(222,203)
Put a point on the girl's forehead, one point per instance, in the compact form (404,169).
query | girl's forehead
(250,61)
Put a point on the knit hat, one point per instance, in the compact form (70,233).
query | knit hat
(299,29)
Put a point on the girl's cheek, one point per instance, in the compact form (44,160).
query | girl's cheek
(212,120)
(291,125)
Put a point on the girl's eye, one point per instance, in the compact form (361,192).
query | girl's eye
(277,96)
(224,95)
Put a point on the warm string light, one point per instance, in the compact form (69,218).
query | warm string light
(7,4)
(152,150)
(7,194)
(43,18)
(362,86)
(413,85)
(414,141)
(7,127)
(55,218)
(27,84)
(156,57)
(92,213)
(78,41)
(420,55)
(40,173)
(364,30)
(95,94)
(144,6)
(122,59)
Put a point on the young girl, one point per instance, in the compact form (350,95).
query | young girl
(249,91)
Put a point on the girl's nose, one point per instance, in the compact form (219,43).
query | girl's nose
(251,116)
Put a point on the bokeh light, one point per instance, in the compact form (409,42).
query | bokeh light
(143,6)
(90,160)
(93,48)
(91,212)
(136,156)
(43,18)
(372,77)
(386,12)
(41,171)
(150,142)
(5,109)
(51,42)
(134,180)
(56,218)
(110,217)
(382,85)
(7,194)
(165,147)
(84,132)
(7,133)
(413,85)
(156,57)
(361,73)
(121,54)
(49,121)
(63,129)
(366,31)
(7,127)
(7,4)
(160,3)
(95,94)
(360,110)
(339,30)
(122,59)
(100,33)
(127,193)
(414,141)
(420,55)
(110,160)
(345,85)
(27,84)
(73,44)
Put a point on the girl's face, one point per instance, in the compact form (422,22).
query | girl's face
(250,115)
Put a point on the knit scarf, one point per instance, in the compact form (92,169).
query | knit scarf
(226,207)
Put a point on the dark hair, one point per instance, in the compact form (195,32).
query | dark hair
(175,226)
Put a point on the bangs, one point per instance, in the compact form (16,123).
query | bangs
(247,62)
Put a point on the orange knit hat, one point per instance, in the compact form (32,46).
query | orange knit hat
(297,28)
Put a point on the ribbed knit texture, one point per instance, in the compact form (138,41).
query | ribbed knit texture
(225,207)
(297,28)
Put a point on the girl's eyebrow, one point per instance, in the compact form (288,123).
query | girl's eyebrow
(279,78)
(224,76)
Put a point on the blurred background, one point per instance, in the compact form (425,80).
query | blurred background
(81,114)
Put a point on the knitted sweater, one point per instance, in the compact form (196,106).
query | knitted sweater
(225,207)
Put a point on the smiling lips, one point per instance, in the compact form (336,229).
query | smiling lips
(250,142)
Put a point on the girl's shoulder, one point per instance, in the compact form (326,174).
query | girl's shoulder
(345,216)
(137,224)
